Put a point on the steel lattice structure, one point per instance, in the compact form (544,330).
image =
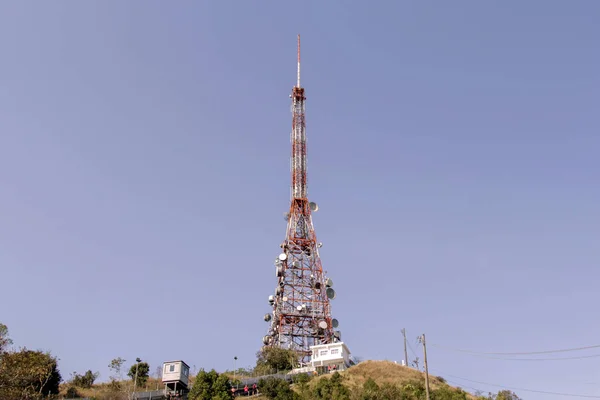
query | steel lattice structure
(301,314)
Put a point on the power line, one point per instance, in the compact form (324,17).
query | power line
(517,353)
(461,386)
(522,389)
(527,359)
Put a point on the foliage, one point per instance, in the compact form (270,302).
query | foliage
(143,370)
(210,386)
(331,389)
(370,390)
(271,359)
(301,383)
(72,393)
(28,374)
(276,389)
(414,389)
(447,393)
(116,366)
(4,339)
(86,380)
(506,395)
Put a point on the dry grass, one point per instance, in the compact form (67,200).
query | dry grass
(103,390)
(384,372)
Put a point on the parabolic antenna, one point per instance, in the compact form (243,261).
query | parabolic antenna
(334,322)
(328,282)
(330,293)
(323,324)
(285,299)
(282,256)
(296,264)
(267,317)
(337,334)
(313,206)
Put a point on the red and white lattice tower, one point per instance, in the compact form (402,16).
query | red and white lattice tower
(301,315)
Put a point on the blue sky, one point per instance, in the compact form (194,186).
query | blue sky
(144,161)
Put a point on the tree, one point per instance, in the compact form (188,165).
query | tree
(72,393)
(28,374)
(4,339)
(116,366)
(506,395)
(331,389)
(210,386)
(275,358)
(143,370)
(370,390)
(86,380)
(276,389)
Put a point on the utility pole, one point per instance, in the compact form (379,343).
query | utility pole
(422,340)
(405,352)
(234,360)
(137,364)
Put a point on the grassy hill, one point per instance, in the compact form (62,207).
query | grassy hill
(381,372)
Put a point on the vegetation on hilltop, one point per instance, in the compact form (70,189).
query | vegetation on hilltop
(34,375)
(369,380)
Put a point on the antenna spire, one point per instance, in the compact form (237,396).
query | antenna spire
(298,82)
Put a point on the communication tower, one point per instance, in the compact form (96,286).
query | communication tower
(301,315)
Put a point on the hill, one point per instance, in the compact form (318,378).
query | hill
(381,372)
(387,372)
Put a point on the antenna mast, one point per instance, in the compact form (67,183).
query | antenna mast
(299,187)
(298,82)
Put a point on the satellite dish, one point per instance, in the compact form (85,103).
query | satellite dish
(282,256)
(313,206)
(299,308)
(317,285)
(328,282)
(296,264)
(320,244)
(330,293)
(323,324)
(338,334)
(334,323)
(285,299)
(266,340)
(267,317)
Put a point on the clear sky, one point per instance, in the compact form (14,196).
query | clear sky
(144,169)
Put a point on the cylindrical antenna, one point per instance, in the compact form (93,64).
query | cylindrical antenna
(298,83)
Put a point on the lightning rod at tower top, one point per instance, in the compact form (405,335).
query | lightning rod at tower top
(298,81)
(301,303)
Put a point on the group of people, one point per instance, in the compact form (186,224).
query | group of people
(248,391)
